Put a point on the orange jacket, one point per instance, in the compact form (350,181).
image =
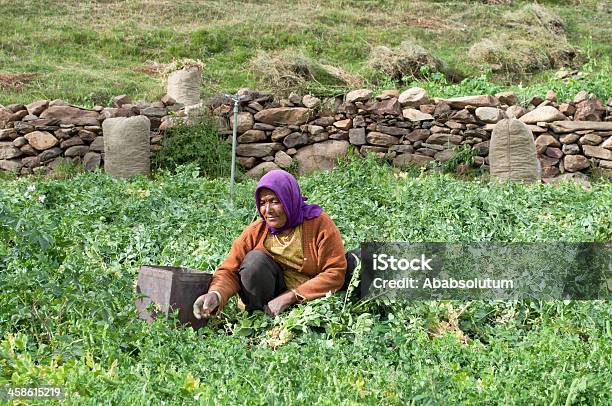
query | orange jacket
(323,251)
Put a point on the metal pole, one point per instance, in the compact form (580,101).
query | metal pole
(236,100)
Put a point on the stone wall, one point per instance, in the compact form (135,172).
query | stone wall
(412,129)
(35,137)
(408,128)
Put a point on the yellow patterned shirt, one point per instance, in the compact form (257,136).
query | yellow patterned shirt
(286,248)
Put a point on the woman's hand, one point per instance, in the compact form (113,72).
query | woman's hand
(205,305)
(279,304)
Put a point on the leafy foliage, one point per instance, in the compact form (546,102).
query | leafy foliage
(201,145)
(69,261)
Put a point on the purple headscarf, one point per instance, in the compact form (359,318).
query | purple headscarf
(286,188)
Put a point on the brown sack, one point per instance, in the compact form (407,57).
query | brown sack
(512,152)
(126,146)
(184,85)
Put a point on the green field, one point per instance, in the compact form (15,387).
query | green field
(87,52)
(68,267)
(71,243)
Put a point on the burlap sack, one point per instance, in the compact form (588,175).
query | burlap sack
(184,85)
(512,152)
(126,146)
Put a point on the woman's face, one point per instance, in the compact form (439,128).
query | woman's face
(271,209)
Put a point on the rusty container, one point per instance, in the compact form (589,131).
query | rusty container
(163,289)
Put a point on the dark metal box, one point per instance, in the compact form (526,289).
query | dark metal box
(170,288)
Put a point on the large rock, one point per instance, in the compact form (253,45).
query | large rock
(408,160)
(344,124)
(6,116)
(283,160)
(284,116)
(570,149)
(37,107)
(20,142)
(597,152)
(380,139)
(77,150)
(71,142)
(310,101)
(8,134)
(569,138)
(245,122)
(155,111)
(591,139)
(474,101)
(358,95)
(246,162)
(120,100)
(91,161)
(357,136)
(97,145)
(508,98)
(589,110)
(10,165)
(8,150)
(320,156)
(575,163)
(250,136)
(387,106)
(442,139)
(72,115)
(444,155)
(543,114)
(515,111)
(280,133)
(420,134)
(295,140)
(258,150)
(413,97)
(49,154)
(41,140)
(605,164)
(571,126)
(463,116)
(544,141)
(416,115)
(489,115)
(261,169)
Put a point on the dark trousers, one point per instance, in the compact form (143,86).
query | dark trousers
(261,278)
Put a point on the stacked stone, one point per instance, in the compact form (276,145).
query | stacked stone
(410,129)
(34,137)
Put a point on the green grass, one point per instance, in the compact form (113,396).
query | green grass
(68,265)
(86,52)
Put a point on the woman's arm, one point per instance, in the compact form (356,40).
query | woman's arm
(331,262)
(225,279)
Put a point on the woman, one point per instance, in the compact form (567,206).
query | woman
(294,253)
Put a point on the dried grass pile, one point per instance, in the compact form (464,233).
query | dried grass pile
(535,41)
(406,60)
(290,70)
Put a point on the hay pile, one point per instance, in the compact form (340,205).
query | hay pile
(535,41)
(406,60)
(290,70)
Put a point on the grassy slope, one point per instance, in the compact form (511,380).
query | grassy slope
(67,314)
(86,52)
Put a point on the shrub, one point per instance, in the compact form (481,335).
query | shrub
(200,144)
